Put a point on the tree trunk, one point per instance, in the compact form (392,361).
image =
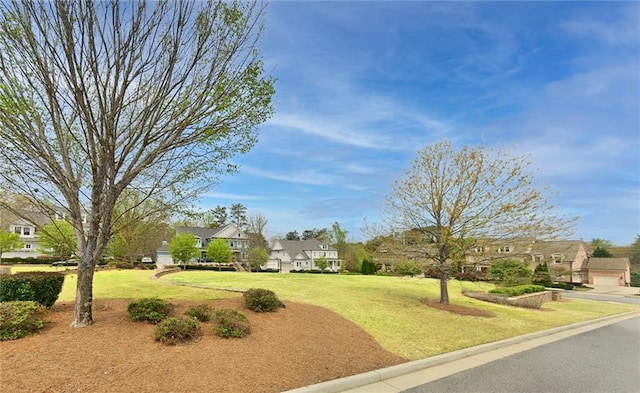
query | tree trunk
(444,291)
(84,295)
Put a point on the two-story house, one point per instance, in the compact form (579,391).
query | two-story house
(236,238)
(299,255)
(26,228)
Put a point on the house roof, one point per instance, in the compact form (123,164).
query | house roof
(295,247)
(608,263)
(228,231)
(568,248)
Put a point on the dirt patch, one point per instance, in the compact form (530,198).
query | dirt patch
(458,309)
(293,347)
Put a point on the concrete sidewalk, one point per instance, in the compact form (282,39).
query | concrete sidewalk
(404,376)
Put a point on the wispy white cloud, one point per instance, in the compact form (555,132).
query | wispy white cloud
(232,196)
(619,26)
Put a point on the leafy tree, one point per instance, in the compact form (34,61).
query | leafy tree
(258,256)
(408,268)
(510,272)
(58,238)
(212,218)
(353,257)
(542,276)
(105,96)
(601,252)
(338,239)
(595,243)
(292,236)
(322,264)
(473,193)
(182,247)
(239,215)
(635,253)
(8,242)
(219,251)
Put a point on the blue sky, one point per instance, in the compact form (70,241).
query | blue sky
(362,86)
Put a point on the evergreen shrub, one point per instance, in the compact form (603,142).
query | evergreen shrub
(19,319)
(40,287)
(201,312)
(174,330)
(230,323)
(262,300)
(150,310)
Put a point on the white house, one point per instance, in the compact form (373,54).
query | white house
(298,255)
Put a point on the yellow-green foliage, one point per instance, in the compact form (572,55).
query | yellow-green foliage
(19,319)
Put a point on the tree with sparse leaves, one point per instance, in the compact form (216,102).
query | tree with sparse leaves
(458,196)
(156,96)
(257,257)
(57,238)
(239,215)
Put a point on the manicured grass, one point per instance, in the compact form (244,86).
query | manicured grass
(389,308)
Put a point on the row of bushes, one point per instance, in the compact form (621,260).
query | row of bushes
(40,287)
(517,290)
(226,322)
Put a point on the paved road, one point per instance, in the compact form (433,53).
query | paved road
(602,360)
(595,296)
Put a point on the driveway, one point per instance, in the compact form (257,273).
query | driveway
(614,290)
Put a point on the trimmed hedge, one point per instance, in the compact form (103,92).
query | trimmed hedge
(517,290)
(262,300)
(40,287)
(19,319)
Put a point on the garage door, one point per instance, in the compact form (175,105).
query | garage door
(605,280)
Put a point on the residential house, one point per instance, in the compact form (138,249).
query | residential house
(608,271)
(236,238)
(388,254)
(299,255)
(27,229)
(566,259)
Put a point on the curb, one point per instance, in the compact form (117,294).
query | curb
(371,377)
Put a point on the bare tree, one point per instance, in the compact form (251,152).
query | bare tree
(103,96)
(461,198)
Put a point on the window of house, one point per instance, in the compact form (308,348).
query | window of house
(383,250)
(27,246)
(479,249)
(538,258)
(557,258)
(26,231)
(17,230)
(504,249)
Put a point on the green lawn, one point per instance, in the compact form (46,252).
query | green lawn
(388,308)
